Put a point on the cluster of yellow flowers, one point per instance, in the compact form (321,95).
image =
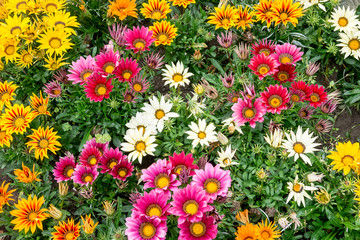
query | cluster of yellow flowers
(17,119)
(31,30)
(277,11)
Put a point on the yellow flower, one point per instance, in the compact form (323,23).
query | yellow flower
(17,6)
(55,41)
(39,104)
(88,224)
(66,231)
(5,195)
(17,119)
(284,11)
(243,216)
(183,3)
(122,9)
(267,231)
(245,18)
(8,49)
(7,93)
(15,26)
(108,207)
(43,140)
(50,6)
(62,20)
(26,58)
(164,32)
(224,17)
(54,63)
(5,138)
(346,157)
(30,34)
(54,212)
(29,214)
(63,189)
(198,89)
(322,197)
(246,232)
(263,11)
(155,9)
(25,175)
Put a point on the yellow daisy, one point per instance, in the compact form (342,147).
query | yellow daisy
(346,157)
(15,25)
(30,34)
(183,3)
(164,32)
(50,6)
(17,6)
(267,231)
(54,63)
(16,119)
(5,195)
(155,9)
(62,20)
(284,11)
(9,49)
(5,138)
(263,11)
(39,104)
(224,17)
(4,12)
(7,93)
(246,232)
(55,41)
(25,175)
(245,18)
(26,58)
(43,140)
(122,9)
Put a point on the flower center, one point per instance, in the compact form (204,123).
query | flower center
(147,230)
(314,97)
(283,76)
(234,99)
(156,14)
(127,74)
(140,146)
(21,6)
(159,114)
(297,188)
(177,77)
(197,229)
(54,66)
(191,207)
(129,97)
(137,87)
(100,90)
(163,37)
(354,44)
(295,98)
(212,185)
(275,101)
(5,96)
(88,178)
(51,7)
(92,160)
(2,199)
(226,161)
(109,67)
(69,235)
(283,16)
(41,109)
(55,42)
(15,30)
(59,24)
(122,172)
(69,170)
(347,160)
(299,147)
(265,51)
(85,74)
(139,43)
(162,180)
(242,22)
(9,50)
(263,69)
(225,21)
(111,163)
(179,168)
(265,234)
(56,92)
(2,136)
(43,143)
(153,210)
(27,58)
(343,21)
(285,58)
(32,216)
(19,121)
(202,135)
(248,113)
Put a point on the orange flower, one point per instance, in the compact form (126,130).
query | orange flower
(16,119)
(42,141)
(155,9)
(88,224)
(5,138)
(245,17)
(122,9)
(284,11)
(164,32)
(67,230)
(25,175)
(243,216)
(224,17)
(7,90)
(263,11)
(183,3)
(5,195)
(39,105)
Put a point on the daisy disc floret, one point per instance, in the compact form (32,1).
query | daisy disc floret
(201,133)
(142,227)
(138,39)
(298,191)
(344,20)
(84,175)
(204,229)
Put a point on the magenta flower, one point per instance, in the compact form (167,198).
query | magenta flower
(154,61)
(246,111)
(180,162)
(90,156)
(53,89)
(64,169)
(117,32)
(102,147)
(139,39)
(190,203)
(153,205)
(122,170)
(263,47)
(126,69)
(142,228)
(233,96)
(159,176)
(84,175)
(249,91)
(110,158)
(213,180)
(81,70)
(225,40)
(107,62)
(139,84)
(129,96)
(98,87)
(287,54)
(228,80)
(206,229)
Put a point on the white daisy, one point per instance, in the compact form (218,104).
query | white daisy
(350,44)
(138,144)
(200,133)
(299,144)
(141,122)
(158,111)
(230,123)
(275,138)
(225,157)
(298,191)
(195,107)
(344,20)
(176,75)
(309,3)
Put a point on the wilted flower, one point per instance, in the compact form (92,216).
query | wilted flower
(222,138)
(324,126)
(117,32)
(202,162)
(312,68)
(108,208)
(63,189)
(121,184)
(314,177)
(283,222)
(306,112)
(228,80)
(195,107)
(154,61)
(129,96)
(273,126)
(328,107)
(211,92)
(109,47)
(335,96)
(225,40)
(295,219)
(54,212)
(243,216)
(242,51)
(322,197)
(86,192)
(270,211)
(61,76)
(217,218)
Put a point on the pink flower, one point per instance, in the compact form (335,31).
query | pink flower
(263,47)
(53,89)
(202,230)
(153,205)
(102,147)
(107,62)
(110,158)
(287,54)
(142,228)
(129,96)
(90,156)
(190,203)
(154,61)
(213,180)
(180,162)
(225,40)
(98,88)
(117,32)
(139,39)
(275,98)
(228,80)
(64,168)
(316,96)
(126,70)
(263,65)
(122,170)
(84,175)
(81,70)
(246,111)
(233,96)
(139,84)
(249,91)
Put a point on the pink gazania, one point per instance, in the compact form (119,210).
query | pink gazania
(84,175)
(139,84)
(153,205)
(117,32)
(122,170)
(107,62)
(263,65)
(98,88)
(301,86)
(90,156)
(206,229)
(306,112)
(139,39)
(329,106)
(263,47)
(130,96)
(110,159)
(225,40)
(246,111)
(214,180)
(64,169)
(190,203)
(233,97)
(102,147)
(142,228)
(159,176)
(297,95)
(287,54)
(249,91)
(285,73)
(275,98)
(126,69)
(180,162)
(316,96)
(154,61)
(53,89)
(228,80)
(81,70)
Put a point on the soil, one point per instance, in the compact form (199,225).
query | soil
(348,123)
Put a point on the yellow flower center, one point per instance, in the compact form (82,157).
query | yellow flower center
(179,168)
(137,87)
(69,235)
(15,30)
(343,21)
(314,97)
(140,146)
(242,22)
(147,230)
(70,172)
(283,16)
(10,50)
(263,69)
(283,76)
(212,185)
(56,92)
(19,122)
(202,135)
(153,210)
(88,178)
(126,75)
(295,98)
(347,160)
(139,44)
(268,14)
(265,234)
(299,147)
(197,229)
(225,21)
(234,99)
(85,75)
(275,101)
(156,14)
(41,109)
(100,90)
(109,67)
(265,51)
(163,37)
(32,216)
(51,7)
(354,44)
(122,172)
(177,77)
(55,42)
(43,143)
(92,160)
(21,6)
(54,66)
(112,164)
(297,188)
(191,207)
(249,113)
(226,161)
(2,136)
(285,58)
(162,180)
(27,58)
(159,114)
(5,96)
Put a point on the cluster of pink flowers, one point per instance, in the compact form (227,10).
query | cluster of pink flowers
(172,192)
(94,156)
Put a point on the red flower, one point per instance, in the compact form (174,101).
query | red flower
(263,46)
(126,69)
(285,73)
(275,98)
(301,86)
(98,88)
(263,65)
(317,95)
